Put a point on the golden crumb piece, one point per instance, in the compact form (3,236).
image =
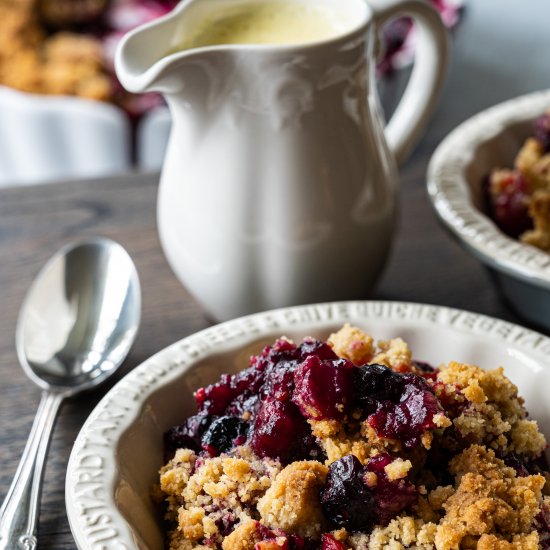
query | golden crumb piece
(489,499)
(541,173)
(394,353)
(439,496)
(493,414)
(430,508)
(357,346)
(400,533)
(342,445)
(441,421)
(353,344)
(519,542)
(534,165)
(398,469)
(272,544)
(231,479)
(370,479)
(337,443)
(525,437)
(244,537)
(529,154)
(292,502)
(325,428)
(474,393)
(177,541)
(175,475)
(539,210)
(499,180)
(340,534)
(191,522)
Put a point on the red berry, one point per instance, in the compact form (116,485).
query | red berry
(323,387)
(390,497)
(542,131)
(510,206)
(330,543)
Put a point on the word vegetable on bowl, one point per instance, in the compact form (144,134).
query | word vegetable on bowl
(351,444)
(518,199)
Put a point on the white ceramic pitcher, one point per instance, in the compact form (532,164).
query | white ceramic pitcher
(279,183)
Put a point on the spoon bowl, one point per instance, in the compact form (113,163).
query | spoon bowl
(79,317)
(77,323)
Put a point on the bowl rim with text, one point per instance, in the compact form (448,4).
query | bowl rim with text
(116,456)
(491,139)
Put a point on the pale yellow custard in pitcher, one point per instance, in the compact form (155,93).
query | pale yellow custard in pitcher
(265,22)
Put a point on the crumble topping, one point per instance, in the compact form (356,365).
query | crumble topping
(317,446)
(519,199)
(292,502)
(489,498)
(207,497)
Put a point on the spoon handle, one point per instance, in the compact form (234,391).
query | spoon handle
(19,512)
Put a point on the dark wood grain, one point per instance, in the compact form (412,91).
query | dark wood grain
(426,265)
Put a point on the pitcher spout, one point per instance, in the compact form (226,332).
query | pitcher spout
(142,60)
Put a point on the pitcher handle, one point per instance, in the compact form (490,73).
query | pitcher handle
(428,74)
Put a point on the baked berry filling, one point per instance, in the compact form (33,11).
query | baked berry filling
(282,540)
(518,199)
(330,543)
(281,432)
(323,388)
(353,500)
(391,497)
(268,404)
(309,450)
(398,406)
(509,208)
(346,499)
(542,525)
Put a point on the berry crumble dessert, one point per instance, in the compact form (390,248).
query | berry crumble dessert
(353,444)
(519,198)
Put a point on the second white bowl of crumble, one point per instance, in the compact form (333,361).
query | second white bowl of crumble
(489,183)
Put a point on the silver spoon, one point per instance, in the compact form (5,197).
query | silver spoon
(76,326)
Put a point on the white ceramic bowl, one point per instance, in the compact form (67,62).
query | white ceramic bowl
(492,139)
(46,138)
(116,456)
(49,138)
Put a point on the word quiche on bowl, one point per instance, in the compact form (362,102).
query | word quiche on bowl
(332,441)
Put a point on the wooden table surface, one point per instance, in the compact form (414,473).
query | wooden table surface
(426,264)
